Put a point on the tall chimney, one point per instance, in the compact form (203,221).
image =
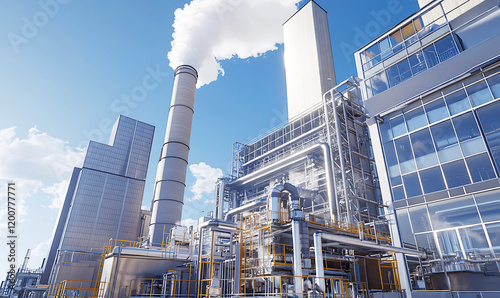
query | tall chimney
(171,174)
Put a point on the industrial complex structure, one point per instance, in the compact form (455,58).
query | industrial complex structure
(383,185)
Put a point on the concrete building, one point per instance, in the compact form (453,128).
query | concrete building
(103,201)
(432,87)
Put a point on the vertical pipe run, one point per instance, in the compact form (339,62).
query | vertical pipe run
(171,174)
(318,258)
(297,258)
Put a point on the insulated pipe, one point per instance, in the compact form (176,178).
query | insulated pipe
(171,174)
(244,208)
(371,245)
(292,159)
(318,259)
(219,200)
(297,218)
(297,258)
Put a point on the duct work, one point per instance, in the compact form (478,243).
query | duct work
(171,174)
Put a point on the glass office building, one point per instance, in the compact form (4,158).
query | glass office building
(432,90)
(103,201)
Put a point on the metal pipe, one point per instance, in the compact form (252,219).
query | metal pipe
(341,159)
(244,208)
(297,218)
(297,258)
(371,245)
(318,259)
(219,200)
(295,158)
(218,223)
(171,174)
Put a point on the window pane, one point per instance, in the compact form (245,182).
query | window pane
(415,119)
(423,148)
(489,205)
(466,127)
(480,167)
(494,233)
(408,30)
(436,110)
(385,131)
(432,180)
(398,193)
(473,146)
(446,48)
(457,102)
(385,48)
(412,185)
(479,93)
(427,243)
(490,122)
(417,62)
(405,228)
(419,219)
(448,240)
(456,174)
(430,56)
(396,39)
(475,244)
(398,126)
(393,76)
(453,213)
(494,83)
(404,70)
(392,162)
(445,141)
(379,83)
(372,53)
(405,155)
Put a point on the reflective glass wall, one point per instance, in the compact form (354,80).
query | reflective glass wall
(448,142)
(444,140)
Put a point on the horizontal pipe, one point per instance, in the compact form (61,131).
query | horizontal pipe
(244,208)
(371,245)
(293,159)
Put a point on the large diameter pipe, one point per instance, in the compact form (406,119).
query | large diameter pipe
(171,174)
(318,259)
(349,241)
(291,160)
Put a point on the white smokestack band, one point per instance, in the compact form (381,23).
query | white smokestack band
(171,174)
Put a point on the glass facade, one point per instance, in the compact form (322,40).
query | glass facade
(464,228)
(107,199)
(444,140)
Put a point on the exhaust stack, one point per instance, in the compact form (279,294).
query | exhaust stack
(171,174)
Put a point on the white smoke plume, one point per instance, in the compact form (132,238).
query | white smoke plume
(208,31)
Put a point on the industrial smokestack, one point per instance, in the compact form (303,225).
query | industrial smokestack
(171,174)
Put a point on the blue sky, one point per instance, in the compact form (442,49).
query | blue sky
(66,73)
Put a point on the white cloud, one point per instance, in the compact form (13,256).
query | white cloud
(208,31)
(37,156)
(206,176)
(42,249)
(37,163)
(58,193)
(189,222)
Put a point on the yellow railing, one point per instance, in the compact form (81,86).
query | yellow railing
(76,288)
(281,286)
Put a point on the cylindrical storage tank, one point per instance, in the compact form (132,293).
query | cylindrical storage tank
(171,174)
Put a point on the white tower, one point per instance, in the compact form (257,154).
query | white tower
(308,58)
